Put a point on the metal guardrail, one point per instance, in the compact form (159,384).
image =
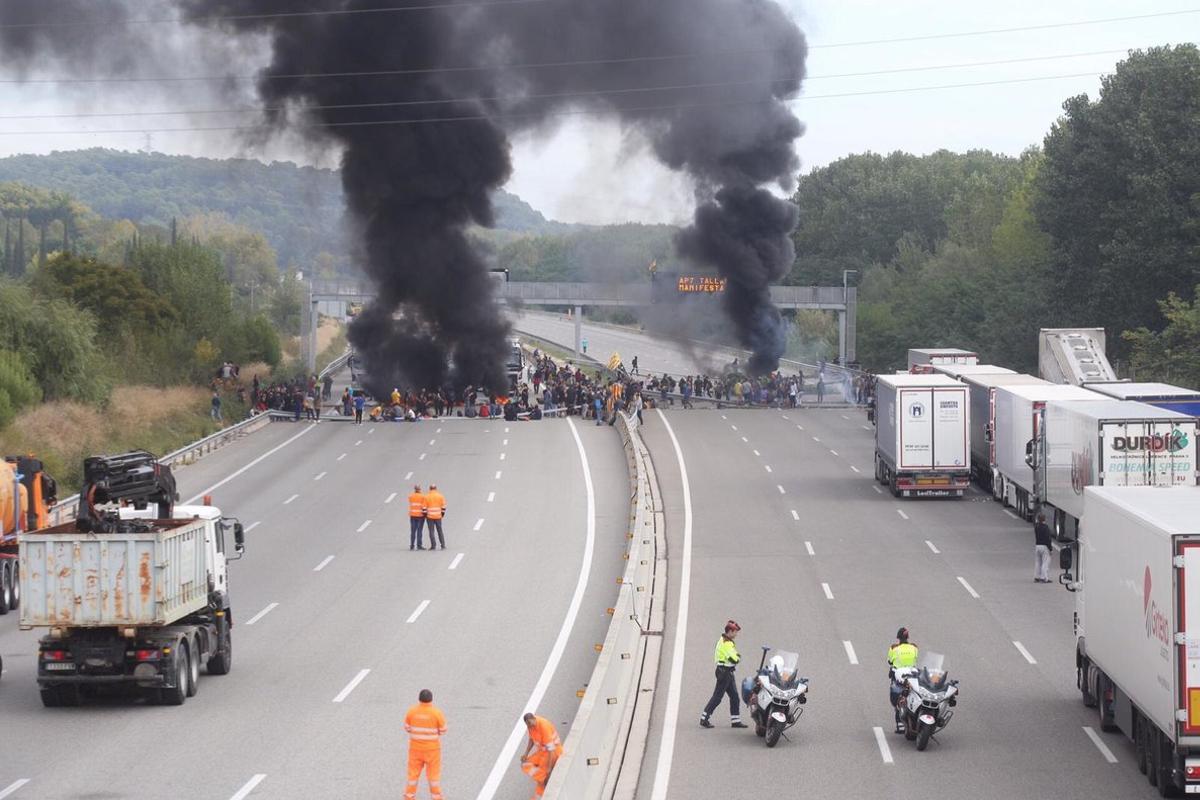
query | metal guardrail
(603,753)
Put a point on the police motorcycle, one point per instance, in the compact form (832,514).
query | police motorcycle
(926,699)
(774,695)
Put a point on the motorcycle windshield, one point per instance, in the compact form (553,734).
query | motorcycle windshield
(784,669)
(931,671)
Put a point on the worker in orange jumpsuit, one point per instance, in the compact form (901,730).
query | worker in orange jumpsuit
(435,509)
(547,749)
(416,519)
(426,725)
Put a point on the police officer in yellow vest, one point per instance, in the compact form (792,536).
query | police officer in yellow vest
(901,655)
(727,659)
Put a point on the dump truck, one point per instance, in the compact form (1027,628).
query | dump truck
(922,435)
(134,593)
(1137,624)
(1073,355)
(27,494)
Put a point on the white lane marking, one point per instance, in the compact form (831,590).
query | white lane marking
(808,546)
(392,496)
(505,443)
(228,478)
(932,547)
(360,441)
(734,427)
(478,523)
(844,416)
(420,610)
(1021,649)
(364,526)
(834,452)
(795,515)
(780,488)
(431,441)
(785,416)
(408,475)
(767,467)
(352,685)
(854,468)
(901,513)
(503,456)
(850,654)
(491,497)
(816,439)
(370,430)
(504,761)
(457,560)
(724,417)
(866,427)
(320,475)
(421,457)
(1011,514)
(498,474)
(324,563)
(666,752)
(262,613)
(828,592)
(1101,746)
(800,427)
(885,752)
(439,430)
(343,455)
(12,787)
(252,526)
(248,787)
(967,586)
(290,499)
(757,453)
(877,490)
(744,439)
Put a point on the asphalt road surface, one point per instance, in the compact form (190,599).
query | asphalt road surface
(791,538)
(338,624)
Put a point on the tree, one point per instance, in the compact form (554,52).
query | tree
(1171,355)
(1119,191)
(116,296)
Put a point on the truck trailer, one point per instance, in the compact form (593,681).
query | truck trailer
(133,594)
(27,493)
(1105,442)
(1161,395)
(1018,416)
(981,389)
(922,435)
(1137,624)
(922,360)
(1073,355)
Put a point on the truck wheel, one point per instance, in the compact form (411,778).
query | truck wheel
(1166,772)
(177,695)
(1152,755)
(5,587)
(222,661)
(1104,709)
(16,585)
(193,684)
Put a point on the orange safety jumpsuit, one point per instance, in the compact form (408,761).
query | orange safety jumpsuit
(537,764)
(426,725)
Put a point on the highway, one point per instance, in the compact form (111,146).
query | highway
(791,537)
(338,624)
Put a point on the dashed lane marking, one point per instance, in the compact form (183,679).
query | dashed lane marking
(360,441)
(343,455)
(491,497)
(901,513)
(352,685)
(478,524)
(834,452)
(828,592)
(247,787)
(290,499)
(420,610)
(816,439)
(877,490)
(370,431)
(364,526)
(271,607)
(320,475)
(252,526)
(503,456)
(854,468)
(744,439)
(409,475)
(421,457)
(324,563)
(431,441)
(867,427)
(1021,649)
(392,496)
(498,474)
(457,560)
(795,515)
(808,547)
(505,442)
(780,488)
(767,467)
(734,427)
(800,427)
(440,430)
(885,752)
(724,417)
(932,547)
(230,477)
(851,656)
(967,586)
(785,416)
(757,453)
(1100,745)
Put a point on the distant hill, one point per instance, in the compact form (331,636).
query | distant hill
(298,209)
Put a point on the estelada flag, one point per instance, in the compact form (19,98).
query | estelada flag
(614,360)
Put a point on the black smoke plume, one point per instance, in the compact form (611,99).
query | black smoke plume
(704,81)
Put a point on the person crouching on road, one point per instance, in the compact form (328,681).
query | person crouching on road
(547,749)
(727,659)
(426,725)
(416,519)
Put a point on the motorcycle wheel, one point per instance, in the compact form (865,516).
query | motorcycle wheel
(759,730)
(923,737)
(774,731)
(910,729)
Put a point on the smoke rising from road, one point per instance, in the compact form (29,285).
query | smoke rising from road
(704,81)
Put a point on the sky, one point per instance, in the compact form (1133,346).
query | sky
(591,171)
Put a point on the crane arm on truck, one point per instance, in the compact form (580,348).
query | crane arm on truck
(136,478)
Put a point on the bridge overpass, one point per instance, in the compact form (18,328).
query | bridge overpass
(772,519)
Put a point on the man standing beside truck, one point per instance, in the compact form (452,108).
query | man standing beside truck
(1042,548)
(426,725)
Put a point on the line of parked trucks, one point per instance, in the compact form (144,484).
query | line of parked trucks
(1112,466)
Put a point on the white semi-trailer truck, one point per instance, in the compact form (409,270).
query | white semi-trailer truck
(922,435)
(921,360)
(1137,624)
(981,388)
(1104,442)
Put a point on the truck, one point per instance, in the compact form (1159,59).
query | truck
(1073,355)
(1162,395)
(981,389)
(133,594)
(1137,624)
(922,435)
(27,493)
(959,371)
(922,360)
(1018,409)
(1103,442)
